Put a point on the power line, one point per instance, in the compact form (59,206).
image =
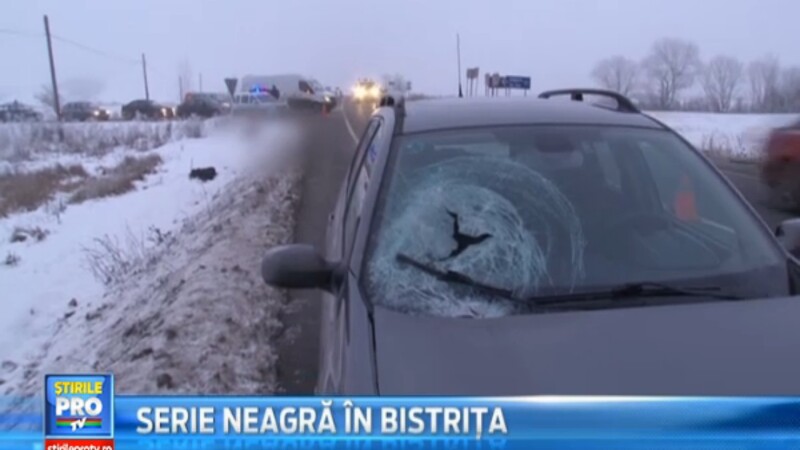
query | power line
(79,45)
(20,33)
(94,50)
(71,42)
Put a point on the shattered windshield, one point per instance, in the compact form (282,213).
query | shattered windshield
(552,209)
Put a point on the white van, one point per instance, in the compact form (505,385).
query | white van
(296,91)
(257,103)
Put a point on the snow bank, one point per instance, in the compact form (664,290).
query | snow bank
(738,136)
(193,316)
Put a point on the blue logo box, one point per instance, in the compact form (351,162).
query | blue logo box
(78,406)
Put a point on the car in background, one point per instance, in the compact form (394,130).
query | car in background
(258,104)
(542,247)
(18,112)
(146,109)
(84,111)
(780,168)
(367,91)
(201,105)
(329,96)
(225,100)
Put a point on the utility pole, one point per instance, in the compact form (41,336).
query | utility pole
(458,50)
(200,82)
(144,71)
(56,100)
(180,88)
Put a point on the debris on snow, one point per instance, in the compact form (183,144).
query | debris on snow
(12,259)
(203,174)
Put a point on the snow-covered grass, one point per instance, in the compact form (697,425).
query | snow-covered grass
(39,141)
(186,310)
(737,136)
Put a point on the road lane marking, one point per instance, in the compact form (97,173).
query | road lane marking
(349,127)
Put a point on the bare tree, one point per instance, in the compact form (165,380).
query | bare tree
(764,76)
(721,78)
(617,73)
(186,76)
(671,68)
(789,92)
(45,96)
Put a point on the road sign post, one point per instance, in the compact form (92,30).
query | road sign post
(230,83)
(495,82)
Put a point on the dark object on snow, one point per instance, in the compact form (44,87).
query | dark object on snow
(203,174)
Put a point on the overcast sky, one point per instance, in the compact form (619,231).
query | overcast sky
(556,42)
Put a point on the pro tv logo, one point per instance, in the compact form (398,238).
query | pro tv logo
(79,406)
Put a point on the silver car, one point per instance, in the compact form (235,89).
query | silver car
(533,246)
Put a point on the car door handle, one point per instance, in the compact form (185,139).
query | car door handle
(330,217)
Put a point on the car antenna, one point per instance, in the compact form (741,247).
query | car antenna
(458,52)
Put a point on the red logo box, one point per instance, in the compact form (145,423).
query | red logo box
(78,444)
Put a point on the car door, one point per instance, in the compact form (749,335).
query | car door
(340,237)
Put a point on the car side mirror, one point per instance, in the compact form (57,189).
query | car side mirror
(788,234)
(298,266)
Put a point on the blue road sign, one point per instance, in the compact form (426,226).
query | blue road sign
(515,82)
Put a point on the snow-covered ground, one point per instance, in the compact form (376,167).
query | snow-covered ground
(192,303)
(739,136)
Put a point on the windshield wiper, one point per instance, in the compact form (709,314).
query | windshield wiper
(452,276)
(643,291)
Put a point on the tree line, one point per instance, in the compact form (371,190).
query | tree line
(668,78)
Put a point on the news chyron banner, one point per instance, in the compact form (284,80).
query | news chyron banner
(81,412)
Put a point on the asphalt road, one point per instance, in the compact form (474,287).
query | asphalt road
(329,143)
(746,179)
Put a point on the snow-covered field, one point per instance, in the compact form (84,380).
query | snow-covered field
(37,144)
(738,136)
(191,302)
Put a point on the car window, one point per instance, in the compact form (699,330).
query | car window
(304,87)
(543,210)
(358,182)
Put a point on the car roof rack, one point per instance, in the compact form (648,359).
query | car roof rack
(624,104)
(399,106)
(390,101)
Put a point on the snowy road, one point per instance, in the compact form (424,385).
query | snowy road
(328,154)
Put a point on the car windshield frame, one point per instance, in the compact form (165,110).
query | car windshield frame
(770,248)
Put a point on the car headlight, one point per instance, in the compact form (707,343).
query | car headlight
(164,111)
(97,113)
(359,92)
(375,91)
(327,99)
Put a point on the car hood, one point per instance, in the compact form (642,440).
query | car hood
(720,348)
